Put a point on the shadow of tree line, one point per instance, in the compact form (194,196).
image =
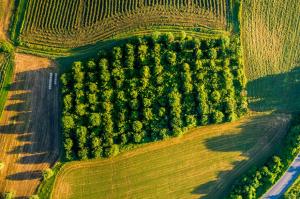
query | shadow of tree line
(232,143)
(31,122)
(279,93)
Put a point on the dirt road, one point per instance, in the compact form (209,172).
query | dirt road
(29,126)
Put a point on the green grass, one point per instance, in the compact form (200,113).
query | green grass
(271,36)
(92,49)
(45,187)
(204,162)
(294,191)
(279,92)
(6,62)
(17,20)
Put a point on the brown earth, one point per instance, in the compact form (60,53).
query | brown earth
(6,7)
(29,126)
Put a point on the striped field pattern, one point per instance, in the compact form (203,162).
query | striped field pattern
(63,23)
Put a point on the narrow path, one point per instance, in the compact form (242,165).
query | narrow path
(285,181)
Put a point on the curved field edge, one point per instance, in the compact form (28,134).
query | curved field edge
(45,188)
(221,143)
(79,33)
(122,37)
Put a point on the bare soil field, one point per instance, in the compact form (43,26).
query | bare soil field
(29,126)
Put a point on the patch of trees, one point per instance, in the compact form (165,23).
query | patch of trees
(294,191)
(258,180)
(149,89)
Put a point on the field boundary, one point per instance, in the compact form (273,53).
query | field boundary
(9,70)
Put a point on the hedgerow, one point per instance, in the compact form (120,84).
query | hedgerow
(6,70)
(258,180)
(150,89)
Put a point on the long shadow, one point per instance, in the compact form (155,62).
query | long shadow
(25,175)
(34,159)
(32,120)
(249,131)
(279,92)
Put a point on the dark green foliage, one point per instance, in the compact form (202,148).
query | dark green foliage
(258,180)
(6,73)
(148,89)
(6,47)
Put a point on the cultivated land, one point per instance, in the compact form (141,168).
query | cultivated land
(270,33)
(204,162)
(5,10)
(59,25)
(29,126)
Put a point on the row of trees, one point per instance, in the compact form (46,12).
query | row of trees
(149,89)
(6,70)
(258,180)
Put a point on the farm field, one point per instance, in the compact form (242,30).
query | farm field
(270,33)
(47,26)
(28,126)
(5,11)
(204,162)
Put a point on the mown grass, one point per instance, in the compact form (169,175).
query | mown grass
(279,92)
(204,162)
(119,38)
(44,190)
(270,36)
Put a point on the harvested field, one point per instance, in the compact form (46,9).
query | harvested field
(270,32)
(48,26)
(6,7)
(270,36)
(202,163)
(29,126)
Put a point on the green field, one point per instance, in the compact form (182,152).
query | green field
(204,162)
(270,34)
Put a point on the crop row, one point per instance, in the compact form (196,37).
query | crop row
(80,22)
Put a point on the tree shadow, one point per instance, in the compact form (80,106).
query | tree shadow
(249,149)
(279,92)
(31,114)
(34,159)
(25,175)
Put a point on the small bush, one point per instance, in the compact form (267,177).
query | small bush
(9,195)
(48,173)
(6,47)
(34,197)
